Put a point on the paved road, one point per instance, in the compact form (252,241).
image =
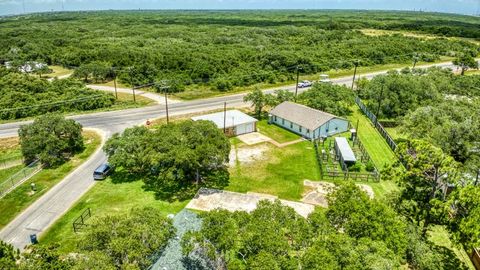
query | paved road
(51,206)
(160,99)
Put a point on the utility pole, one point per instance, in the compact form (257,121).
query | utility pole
(115,82)
(166,105)
(354,73)
(224,117)
(133,86)
(296,85)
(415,60)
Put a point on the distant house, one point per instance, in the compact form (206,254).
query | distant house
(307,122)
(236,122)
(27,67)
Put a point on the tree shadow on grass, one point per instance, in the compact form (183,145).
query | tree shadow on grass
(181,191)
(123,176)
(449,258)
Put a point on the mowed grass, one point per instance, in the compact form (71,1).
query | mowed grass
(20,198)
(275,132)
(105,198)
(6,173)
(279,171)
(440,237)
(9,149)
(374,143)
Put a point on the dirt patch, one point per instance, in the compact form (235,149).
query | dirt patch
(247,154)
(318,192)
(8,143)
(210,199)
(253,138)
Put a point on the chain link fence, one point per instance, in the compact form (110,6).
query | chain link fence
(9,184)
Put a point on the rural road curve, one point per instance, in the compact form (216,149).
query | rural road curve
(53,204)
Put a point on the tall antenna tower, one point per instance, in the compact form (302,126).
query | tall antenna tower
(478,9)
(63,6)
(23,5)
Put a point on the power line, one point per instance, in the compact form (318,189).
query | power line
(50,104)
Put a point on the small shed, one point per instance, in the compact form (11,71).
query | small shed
(236,122)
(344,151)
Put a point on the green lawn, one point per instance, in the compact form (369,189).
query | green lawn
(441,238)
(280,171)
(105,198)
(394,132)
(275,132)
(376,146)
(20,198)
(6,173)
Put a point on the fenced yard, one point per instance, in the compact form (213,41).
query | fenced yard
(331,168)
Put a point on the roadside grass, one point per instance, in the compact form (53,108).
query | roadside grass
(279,172)
(9,150)
(441,238)
(6,173)
(124,101)
(111,84)
(20,198)
(472,72)
(105,198)
(275,132)
(376,146)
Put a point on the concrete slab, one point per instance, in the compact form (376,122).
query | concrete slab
(253,138)
(211,199)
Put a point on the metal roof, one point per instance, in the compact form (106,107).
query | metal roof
(345,150)
(234,118)
(302,115)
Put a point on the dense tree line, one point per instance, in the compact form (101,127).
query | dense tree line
(355,232)
(224,49)
(23,95)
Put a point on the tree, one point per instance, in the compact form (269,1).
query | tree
(424,173)
(465,61)
(259,100)
(51,138)
(330,98)
(281,96)
(41,69)
(45,257)
(8,256)
(464,213)
(352,211)
(129,240)
(173,156)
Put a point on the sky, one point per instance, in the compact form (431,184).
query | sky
(470,7)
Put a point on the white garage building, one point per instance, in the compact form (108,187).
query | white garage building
(236,122)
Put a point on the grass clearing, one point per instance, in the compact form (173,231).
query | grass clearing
(279,172)
(9,149)
(394,132)
(20,198)
(105,198)
(275,132)
(441,238)
(377,147)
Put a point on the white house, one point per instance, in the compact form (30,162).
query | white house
(307,122)
(236,122)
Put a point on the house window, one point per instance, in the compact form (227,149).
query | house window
(275,118)
(300,128)
(283,121)
(291,125)
(308,131)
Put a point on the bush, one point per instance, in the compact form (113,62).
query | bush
(355,167)
(369,167)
